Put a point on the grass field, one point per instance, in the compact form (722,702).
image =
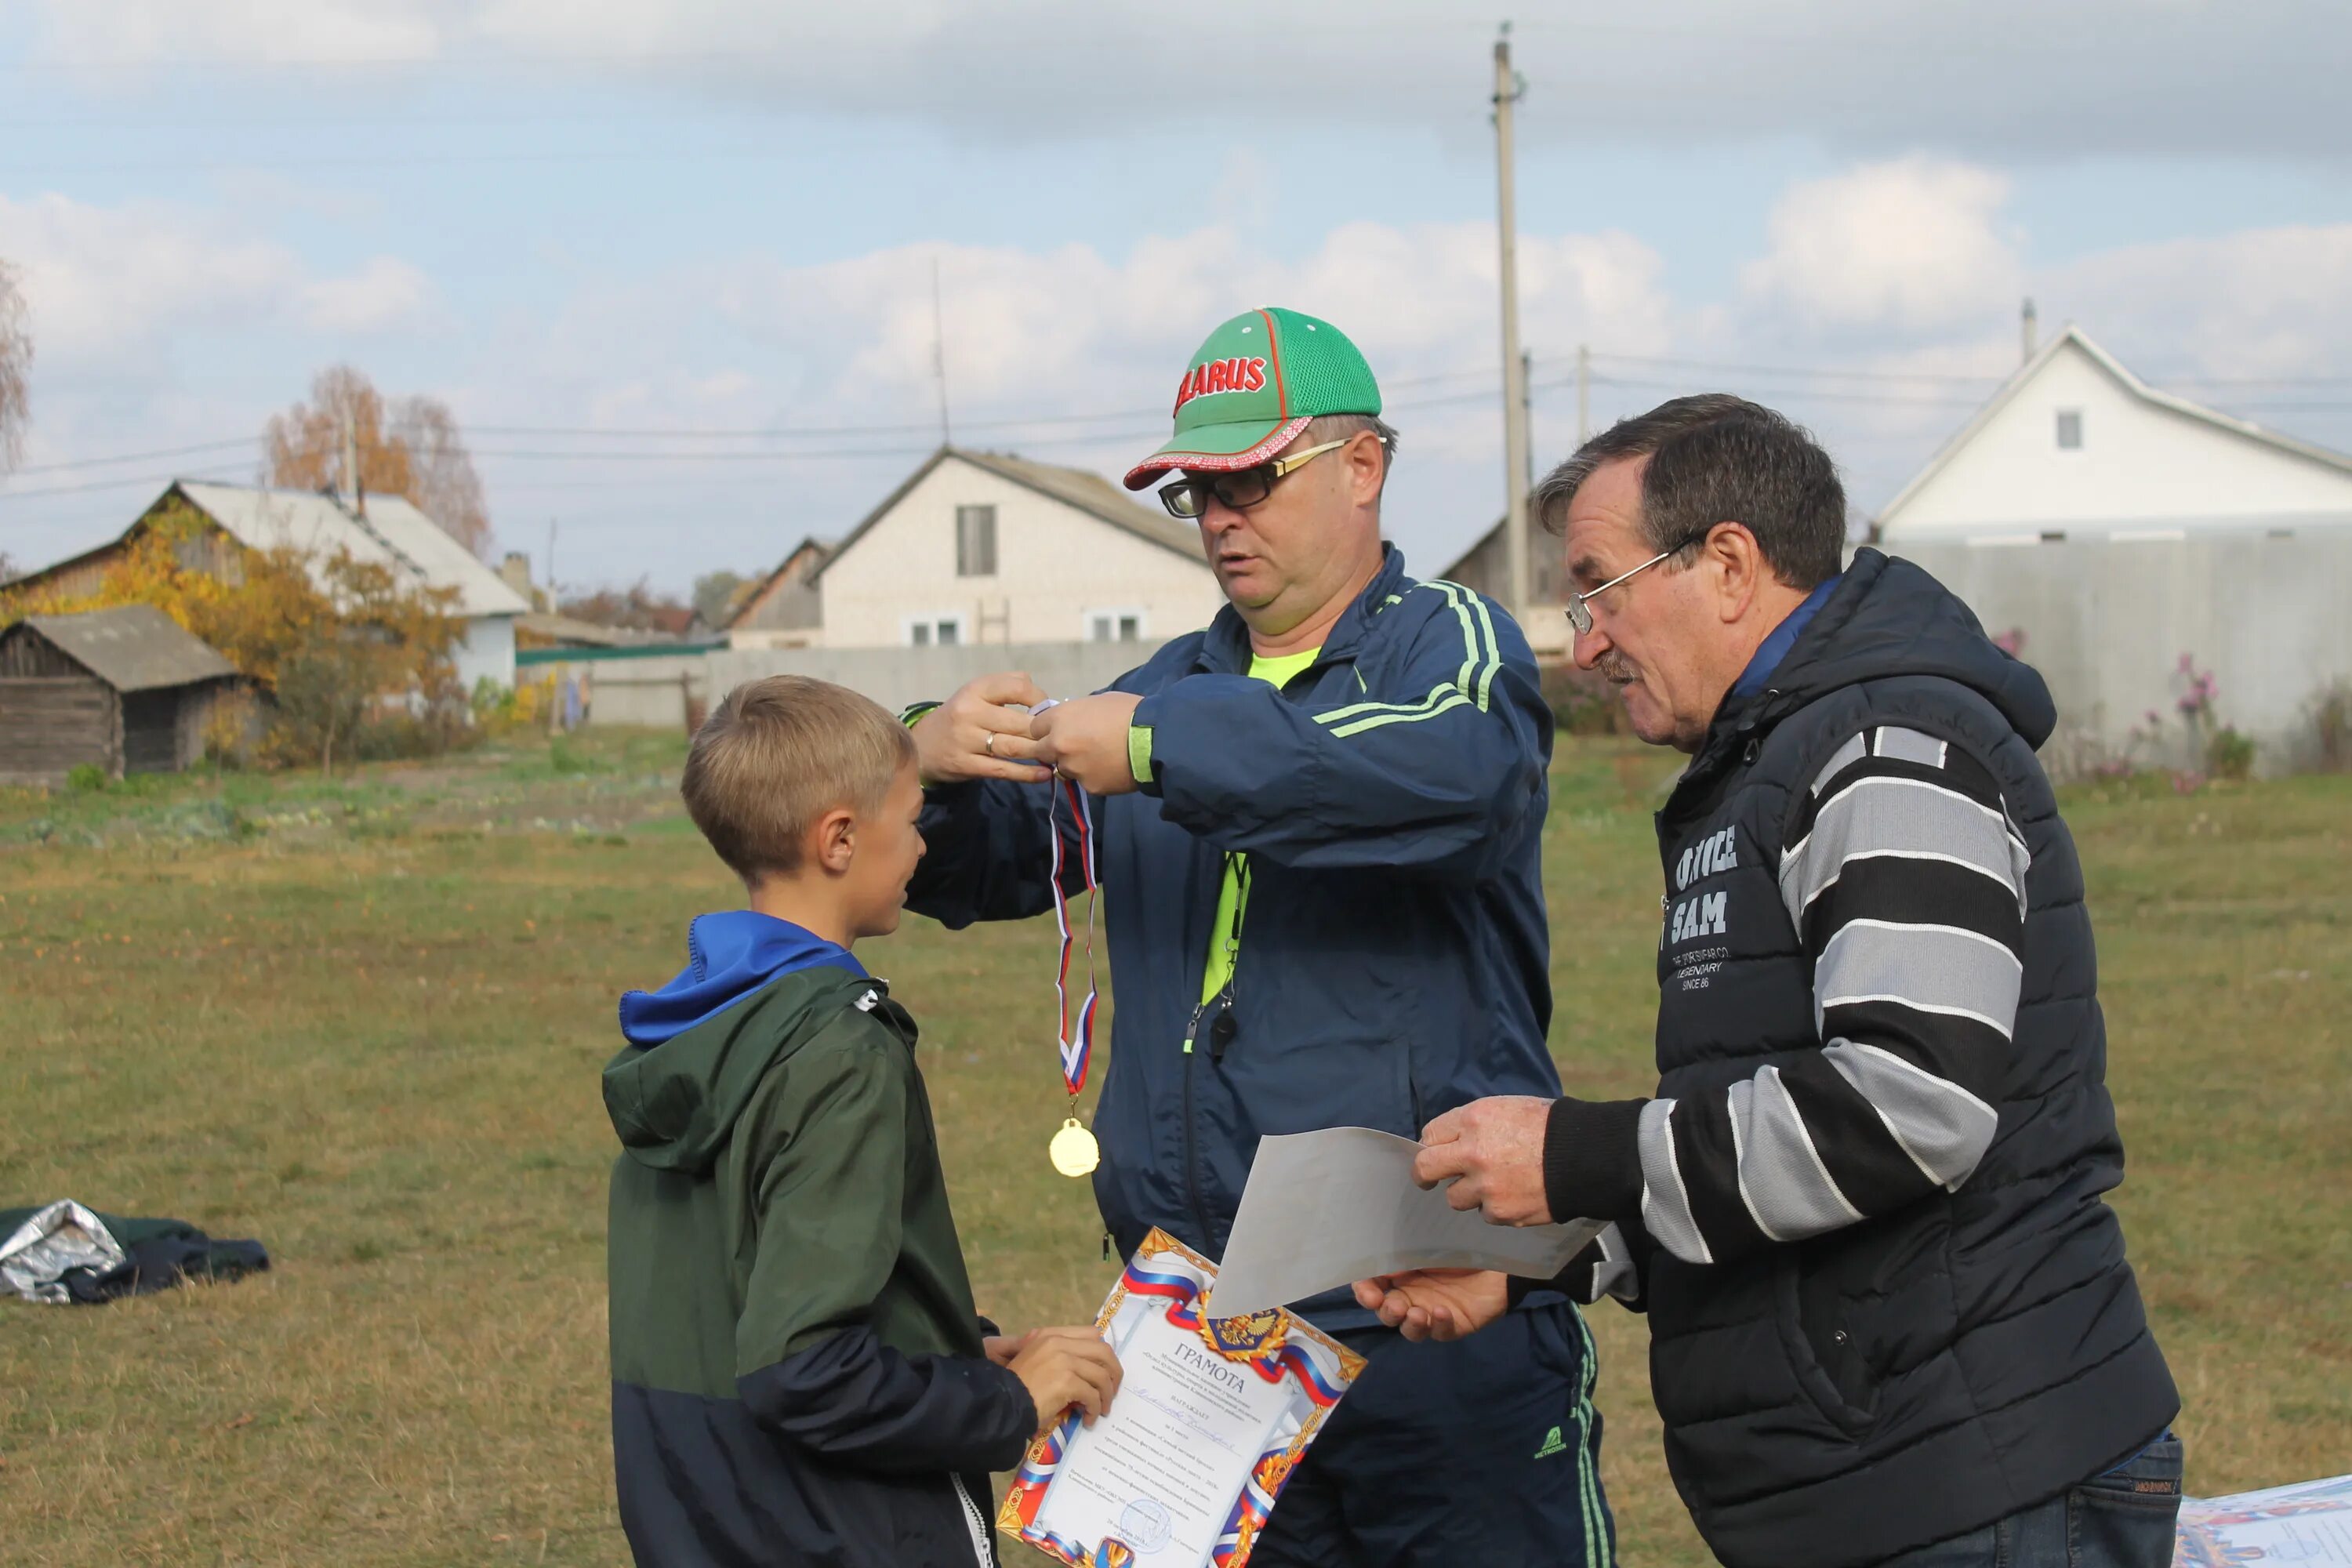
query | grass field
(361,1020)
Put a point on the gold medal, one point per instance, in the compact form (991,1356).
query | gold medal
(1073,1151)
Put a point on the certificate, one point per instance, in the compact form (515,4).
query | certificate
(1211,1417)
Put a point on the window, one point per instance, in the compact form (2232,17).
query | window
(975,541)
(1113,625)
(935,631)
(2070,429)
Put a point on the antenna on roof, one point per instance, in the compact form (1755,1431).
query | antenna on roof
(939,353)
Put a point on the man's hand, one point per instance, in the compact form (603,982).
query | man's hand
(1436,1303)
(1000,1349)
(1062,1367)
(1086,739)
(1492,1152)
(980,732)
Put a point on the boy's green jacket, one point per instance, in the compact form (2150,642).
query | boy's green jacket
(797,1370)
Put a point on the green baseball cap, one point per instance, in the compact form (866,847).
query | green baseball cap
(1253,387)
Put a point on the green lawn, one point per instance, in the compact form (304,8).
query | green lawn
(361,1019)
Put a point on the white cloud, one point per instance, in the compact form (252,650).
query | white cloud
(385,293)
(2262,302)
(1911,245)
(2092,77)
(100,280)
(252,32)
(112,283)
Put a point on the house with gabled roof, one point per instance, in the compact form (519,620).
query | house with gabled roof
(125,690)
(784,609)
(385,530)
(2075,446)
(2179,577)
(985,547)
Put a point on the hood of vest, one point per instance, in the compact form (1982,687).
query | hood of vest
(1888,619)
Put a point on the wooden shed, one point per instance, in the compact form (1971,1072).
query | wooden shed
(126,691)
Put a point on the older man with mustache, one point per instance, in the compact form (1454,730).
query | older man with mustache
(1891,1322)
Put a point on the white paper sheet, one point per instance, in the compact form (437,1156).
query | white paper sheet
(2308,1524)
(1327,1208)
(1161,1470)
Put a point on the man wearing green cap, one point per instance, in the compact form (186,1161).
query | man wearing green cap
(1317,824)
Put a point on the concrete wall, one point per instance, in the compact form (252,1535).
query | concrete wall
(2105,622)
(648,691)
(2140,467)
(1055,565)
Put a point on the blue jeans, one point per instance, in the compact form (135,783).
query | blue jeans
(2122,1519)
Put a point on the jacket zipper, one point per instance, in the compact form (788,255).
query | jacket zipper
(973,1523)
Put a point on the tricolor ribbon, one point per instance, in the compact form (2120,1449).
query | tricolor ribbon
(1076,1044)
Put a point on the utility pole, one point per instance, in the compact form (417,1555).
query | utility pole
(1584,394)
(2029,333)
(939,353)
(1508,88)
(551,566)
(352,465)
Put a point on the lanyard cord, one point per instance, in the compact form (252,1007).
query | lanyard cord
(1076,1045)
(1237,866)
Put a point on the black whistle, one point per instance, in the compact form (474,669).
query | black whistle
(1221,1035)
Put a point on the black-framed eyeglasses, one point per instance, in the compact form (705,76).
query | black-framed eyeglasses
(1579,614)
(1241,489)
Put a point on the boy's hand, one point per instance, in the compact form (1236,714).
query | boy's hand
(1001,1349)
(1062,1367)
(980,732)
(1436,1303)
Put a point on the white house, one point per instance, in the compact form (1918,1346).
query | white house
(385,530)
(976,547)
(2077,446)
(2163,548)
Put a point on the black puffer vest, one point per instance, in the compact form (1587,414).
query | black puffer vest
(1836,1401)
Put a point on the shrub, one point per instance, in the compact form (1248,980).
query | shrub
(1582,703)
(2230,756)
(84,778)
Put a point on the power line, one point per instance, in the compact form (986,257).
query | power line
(142,456)
(1802,394)
(1821,371)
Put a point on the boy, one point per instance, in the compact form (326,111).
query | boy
(799,1376)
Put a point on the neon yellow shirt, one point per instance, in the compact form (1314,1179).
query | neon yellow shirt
(1233,897)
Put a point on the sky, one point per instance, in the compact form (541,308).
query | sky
(673,265)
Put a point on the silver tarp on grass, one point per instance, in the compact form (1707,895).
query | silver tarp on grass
(36,1259)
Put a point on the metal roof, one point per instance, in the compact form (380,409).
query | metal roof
(1090,493)
(386,529)
(133,648)
(2071,337)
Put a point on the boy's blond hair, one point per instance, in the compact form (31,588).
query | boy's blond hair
(775,756)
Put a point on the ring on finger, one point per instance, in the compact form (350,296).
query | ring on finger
(989,745)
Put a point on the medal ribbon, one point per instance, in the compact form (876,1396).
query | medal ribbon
(1076,1044)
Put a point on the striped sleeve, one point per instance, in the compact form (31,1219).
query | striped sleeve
(1906,880)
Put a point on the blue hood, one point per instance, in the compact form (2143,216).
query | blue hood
(728,956)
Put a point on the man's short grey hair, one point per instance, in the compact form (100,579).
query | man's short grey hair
(1714,458)
(1341,426)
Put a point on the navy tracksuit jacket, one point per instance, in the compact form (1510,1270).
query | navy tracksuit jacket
(1393,959)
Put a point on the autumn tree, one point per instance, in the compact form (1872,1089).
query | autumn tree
(716,594)
(16,367)
(327,642)
(638,607)
(409,448)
